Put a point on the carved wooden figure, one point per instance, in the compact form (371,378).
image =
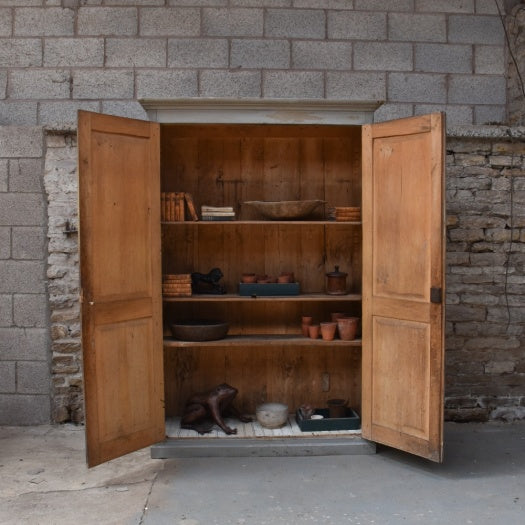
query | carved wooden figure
(204,409)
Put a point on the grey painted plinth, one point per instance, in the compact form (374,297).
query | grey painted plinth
(274,447)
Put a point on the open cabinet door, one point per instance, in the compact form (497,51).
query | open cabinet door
(403,284)
(119,196)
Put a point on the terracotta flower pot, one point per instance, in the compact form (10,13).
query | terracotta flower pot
(347,328)
(306,321)
(313,331)
(328,330)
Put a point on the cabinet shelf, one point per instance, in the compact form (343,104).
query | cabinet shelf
(277,340)
(318,297)
(258,222)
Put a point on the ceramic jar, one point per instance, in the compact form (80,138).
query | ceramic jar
(336,282)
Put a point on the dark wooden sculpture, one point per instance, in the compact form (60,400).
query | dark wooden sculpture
(204,409)
(207,283)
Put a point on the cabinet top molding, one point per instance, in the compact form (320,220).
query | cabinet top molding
(260,111)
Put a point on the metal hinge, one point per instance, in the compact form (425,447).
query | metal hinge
(436,295)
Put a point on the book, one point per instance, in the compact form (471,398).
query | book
(191,206)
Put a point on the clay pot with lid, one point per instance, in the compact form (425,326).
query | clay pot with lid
(336,282)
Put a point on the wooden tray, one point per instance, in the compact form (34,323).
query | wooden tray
(351,422)
(266,289)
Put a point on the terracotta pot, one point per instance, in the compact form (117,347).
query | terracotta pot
(290,275)
(248,278)
(337,315)
(347,328)
(328,330)
(306,321)
(283,279)
(313,331)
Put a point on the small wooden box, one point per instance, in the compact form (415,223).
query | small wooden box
(269,289)
(351,422)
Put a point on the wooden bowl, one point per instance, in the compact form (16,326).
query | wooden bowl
(285,210)
(199,330)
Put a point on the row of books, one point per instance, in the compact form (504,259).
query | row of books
(173,206)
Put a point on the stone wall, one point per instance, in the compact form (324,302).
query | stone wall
(516,78)
(485,311)
(24,335)
(58,56)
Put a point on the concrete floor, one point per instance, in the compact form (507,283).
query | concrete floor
(44,480)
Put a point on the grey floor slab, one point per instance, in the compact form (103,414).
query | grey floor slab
(481,481)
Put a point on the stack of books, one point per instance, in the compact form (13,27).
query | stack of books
(173,206)
(176,285)
(217,213)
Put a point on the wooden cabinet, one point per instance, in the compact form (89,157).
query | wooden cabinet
(392,376)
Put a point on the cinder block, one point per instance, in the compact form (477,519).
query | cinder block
(196,53)
(393,111)
(51,21)
(295,23)
(232,22)
(293,84)
(6,307)
(3,84)
(25,409)
(357,25)
(73,52)
(417,87)
(356,86)
(24,344)
(135,52)
(21,141)
(101,83)
(472,89)
(6,22)
(170,22)
(130,109)
(18,113)
(4,175)
(489,114)
(321,55)
(63,113)
(230,84)
(488,7)
(39,84)
(445,6)
(25,175)
(416,27)
(475,29)
(383,56)
(443,58)
(20,52)
(455,115)
(21,209)
(167,84)
(7,377)
(259,54)
(28,242)
(383,5)
(107,21)
(489,60)
(32,377)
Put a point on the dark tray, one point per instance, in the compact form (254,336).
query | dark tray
(351,422)
(265,289)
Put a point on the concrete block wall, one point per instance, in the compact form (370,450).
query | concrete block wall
(57,56)
(24,333)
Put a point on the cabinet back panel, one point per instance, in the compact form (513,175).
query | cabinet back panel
(227,165)
(293,375)
(308,250)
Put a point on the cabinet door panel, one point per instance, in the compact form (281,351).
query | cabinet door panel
(403,253)
(120,275)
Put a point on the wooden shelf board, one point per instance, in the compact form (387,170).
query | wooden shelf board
(263,340)
(235,297)
(236,223)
